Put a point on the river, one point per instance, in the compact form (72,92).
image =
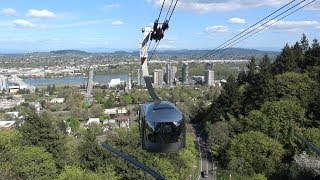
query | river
(73,79)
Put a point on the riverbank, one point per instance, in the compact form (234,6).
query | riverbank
(74,80)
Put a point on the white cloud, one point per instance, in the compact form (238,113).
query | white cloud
(294,31)
(165,46)
(203,6)
(23,23)
(217,29)
(314,6)
(78,24)
(111,6)
(117,23)
(295,24)
(40,14)
(8,11)
(236,20)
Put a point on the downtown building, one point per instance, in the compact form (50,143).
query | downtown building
(209,77)
(170,74)
(141,81)
(158,78)
(185,73)
(3,83)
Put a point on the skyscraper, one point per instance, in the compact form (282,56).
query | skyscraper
(158,78)
(172,74)
(209,77)
(90,81)
(3,83)
(166,73)
(185,73)
(129,82)
(140,78)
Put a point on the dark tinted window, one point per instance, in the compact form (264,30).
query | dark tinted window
(163,133)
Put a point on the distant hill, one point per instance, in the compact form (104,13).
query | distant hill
(229,51)
(68,51)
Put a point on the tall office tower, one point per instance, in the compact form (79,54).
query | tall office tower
(3,83)
(90,82)
(129,82)
(166,73)
(209,77)
(185,73)
(158,78)
(172,74)
(140,78)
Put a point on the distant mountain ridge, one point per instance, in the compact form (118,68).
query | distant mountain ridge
(229,51)
(69,51)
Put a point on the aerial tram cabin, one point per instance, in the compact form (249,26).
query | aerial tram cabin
(162,127)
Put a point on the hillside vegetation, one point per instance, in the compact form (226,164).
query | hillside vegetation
(251,123)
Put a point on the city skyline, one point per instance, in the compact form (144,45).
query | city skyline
(116,25)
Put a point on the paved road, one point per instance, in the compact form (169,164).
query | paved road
(207,162)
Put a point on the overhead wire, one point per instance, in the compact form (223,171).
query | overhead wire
(168,20)
(273,13)
(161,9)
(251,27)
(174,7)
(259,30)
(168,10)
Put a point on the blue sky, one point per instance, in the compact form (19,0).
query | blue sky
(38,25)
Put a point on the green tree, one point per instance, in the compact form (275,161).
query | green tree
(110,102)
(71,173)
(31,162)
(39,131)
(304,43)
(313,136)
(74,124)
(256,121)
(218,137)
(126,99)
(285,117)
(96,110)
(254,152)
(285,62)
(92,156)
(265,65)
(293,85)
(26,111)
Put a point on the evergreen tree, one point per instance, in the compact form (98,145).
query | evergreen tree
(265,64)
(285,61)
(315,44)
(254,152)
(39,131)
(92,155)
(304,43)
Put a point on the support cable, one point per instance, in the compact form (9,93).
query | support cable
(168,10)
(261,29)
(135,162)
(174,7)
(258,27)
(247,29)
(311,146)
(161,8)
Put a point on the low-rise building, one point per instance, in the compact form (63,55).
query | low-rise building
(57,100)
(7,124)
(93,120)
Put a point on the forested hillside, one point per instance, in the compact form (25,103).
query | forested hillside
(251,123)
(39,149)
